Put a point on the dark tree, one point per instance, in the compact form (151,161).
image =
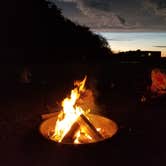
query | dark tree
(37,32)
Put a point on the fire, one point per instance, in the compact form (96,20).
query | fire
(70,114)
(73,124)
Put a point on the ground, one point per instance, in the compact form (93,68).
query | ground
(139,141)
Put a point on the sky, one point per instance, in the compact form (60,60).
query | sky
(147,41)
(127,15)
(121,16)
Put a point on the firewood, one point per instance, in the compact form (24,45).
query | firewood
(91,130)
(69,137)
(81,121)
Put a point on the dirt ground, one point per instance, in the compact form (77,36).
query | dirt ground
(141,139)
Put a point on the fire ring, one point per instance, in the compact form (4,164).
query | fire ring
(107,127)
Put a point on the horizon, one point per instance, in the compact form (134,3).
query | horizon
(132,41)
(114,16)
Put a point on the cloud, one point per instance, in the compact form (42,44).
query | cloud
(98,4)
(96,13)
(157,7)
(160,46)
(106,14)
(64,0)
(100,16)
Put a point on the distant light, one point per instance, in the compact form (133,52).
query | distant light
(149,54)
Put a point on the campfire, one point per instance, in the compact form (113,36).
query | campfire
(75,124)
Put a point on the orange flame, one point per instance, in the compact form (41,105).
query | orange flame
(70,113)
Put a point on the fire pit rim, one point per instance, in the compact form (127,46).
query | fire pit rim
(88,143)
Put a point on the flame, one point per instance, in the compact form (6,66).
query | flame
(81,134)
(70,113)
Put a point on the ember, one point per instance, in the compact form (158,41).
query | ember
(74,123)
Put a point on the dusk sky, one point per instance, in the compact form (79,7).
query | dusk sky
(121,16)
(148,15)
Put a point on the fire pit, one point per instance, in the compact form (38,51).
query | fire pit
(106,127)
(74,124)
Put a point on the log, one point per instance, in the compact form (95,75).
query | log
(69,137)
(82,121)
(91,130)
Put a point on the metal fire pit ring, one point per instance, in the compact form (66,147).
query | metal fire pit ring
(108,126)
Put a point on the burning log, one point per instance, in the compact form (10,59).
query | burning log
(88,126)
(107,126)
(69,137)
(83,120)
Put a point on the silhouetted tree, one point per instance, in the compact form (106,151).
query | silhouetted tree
(43,34)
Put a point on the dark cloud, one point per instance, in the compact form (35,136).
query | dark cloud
(160,46)
(158,7)
(98,4)
(105,14)
(95,14)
